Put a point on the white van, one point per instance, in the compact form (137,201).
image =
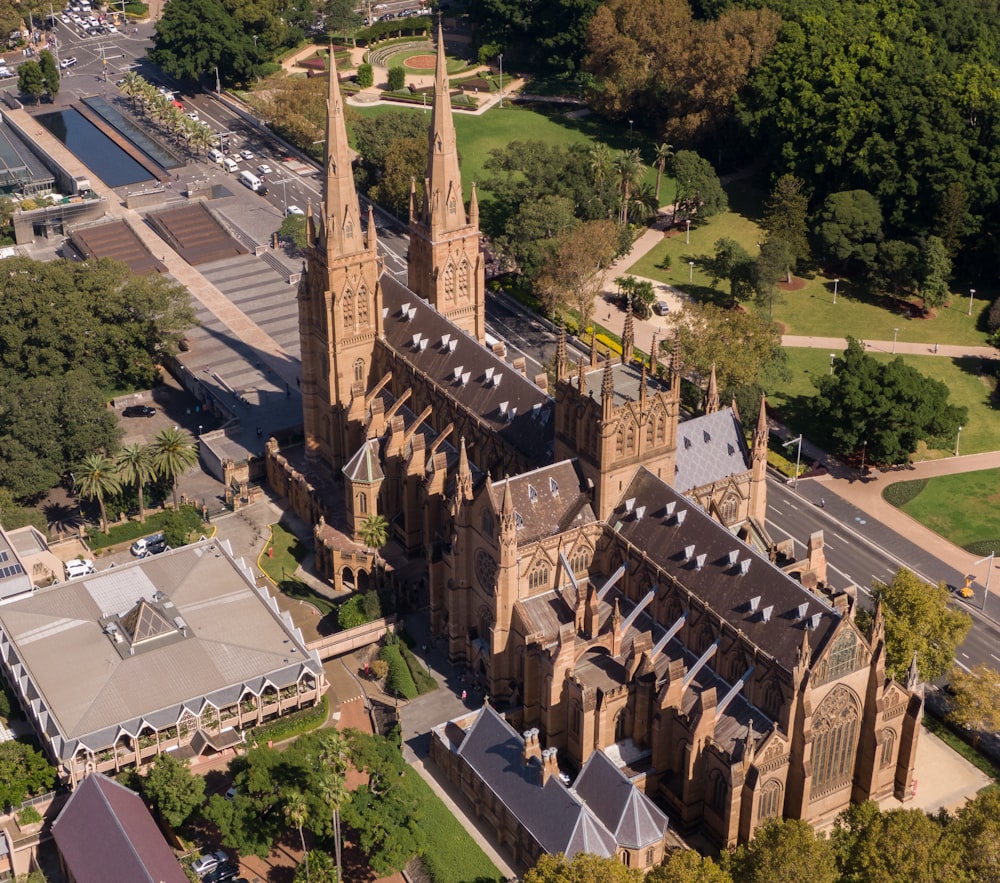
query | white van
(215,155)
(79,567)
(230,164)
(249,179)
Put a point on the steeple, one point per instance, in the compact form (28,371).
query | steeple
(464,484)
(712,398)
(443,209)
(561,354)
(340,234)
(581,378)
(608,387)
(652,355)
(758,467)
(760,434)
(628,336)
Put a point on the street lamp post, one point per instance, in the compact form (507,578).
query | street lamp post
(630,130)
(501,79)
(895,331)
(958,438)
(836,282)
(218,84)
(798,457)
(864,450)
(691,273)
(972,294)
(687,235)
(989,573)
(832,357)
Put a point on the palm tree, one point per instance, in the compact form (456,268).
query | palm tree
(131,85)
(296,812)
(135,466)
(97,477)
(375,534)
(201,137)
(174,452)
(663,154)
(630,168)
(642,204)
(332,762)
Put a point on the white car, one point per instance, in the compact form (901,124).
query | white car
(246,154)
(193,114)
(201,866)
(264,169)
(111,29)
(294,210)
(79,567)
(67,62)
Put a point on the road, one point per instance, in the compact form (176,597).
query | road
(860,550)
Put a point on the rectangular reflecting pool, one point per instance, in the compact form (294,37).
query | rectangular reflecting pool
(93,148)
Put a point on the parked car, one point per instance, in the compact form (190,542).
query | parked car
(139,411)
(661,308)
(264,169)
(220,873)
(149,545)
(79,567)
(294,210)
(208,862)
(67,62)
(6,73)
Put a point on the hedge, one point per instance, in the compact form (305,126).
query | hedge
(900,493)
(399,681)
(294,724)
(423,681)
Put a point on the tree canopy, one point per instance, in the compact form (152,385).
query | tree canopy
(887,407)
(23,772)
(918,620)
(783,851)
(174,790)
(583,868)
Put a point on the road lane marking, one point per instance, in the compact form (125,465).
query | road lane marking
(962,665)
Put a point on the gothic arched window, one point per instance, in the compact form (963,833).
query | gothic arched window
(449,282)
(362,305)
(348,230)
(835,740)
(770,801)
(359,370)
(363,503)
(717,792)
(842,655)
(463,279)
(539,576)
(348,310)
(580,560)
(620,725)
(888,744)
(729,510)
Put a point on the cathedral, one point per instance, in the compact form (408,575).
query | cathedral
(598,563)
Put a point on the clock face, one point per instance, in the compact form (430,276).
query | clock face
(486,569)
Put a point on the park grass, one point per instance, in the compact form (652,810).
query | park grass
(961,508)
(961,376)
(809,311)
(450,855)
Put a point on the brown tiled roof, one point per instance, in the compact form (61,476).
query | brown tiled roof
(106,835)
(531,428)
(548,501)
(770,608)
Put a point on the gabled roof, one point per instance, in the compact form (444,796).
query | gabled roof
(106,835)
(548,501)
(624,810)
(513,407)
(709,448)
(742,586)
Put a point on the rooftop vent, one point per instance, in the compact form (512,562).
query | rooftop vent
(765,614)
(415,340)
(734,556)
(630,504)
(699,562)
(754,603)
(532,494)
(466,377)
(458,372)
(411,313)
(503,407)
(511,414)
(385,312)
(405,308)
(688,552)
(681,516)
(553,487)
(639,512)
(744,566)
(706,436)
(803,609)
(669,509)
(423,343)
(452,346)
(444,340)
(497,378)
(536,409)
(489,374)
(814,620)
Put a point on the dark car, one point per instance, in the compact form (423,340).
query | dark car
(139,411)
(222,873)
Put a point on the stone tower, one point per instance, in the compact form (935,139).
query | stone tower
(612,435)
(445,264)
(340,303)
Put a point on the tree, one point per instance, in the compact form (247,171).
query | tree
(317,867)
(97,478)
(172,788)
(23,771)
(294,228)
(135,466)
(849,227)
(896,269)
(630,170)
(296,812)
(975,699)
(744,347)
(574,272)
(584,868)
(341,16)
(699,192)
(773,262)
(532,229)
(687,866)
(50,72)
(664,153)
(899,844)
(785,218)
(732,262)
(405,164)
(385,811)
(975,833)
(365,76)
(30,79)
(397,78)
(935,272)
(918,620)
(954,217)
(783,851)
(887,407)
(331,756)
(174,452)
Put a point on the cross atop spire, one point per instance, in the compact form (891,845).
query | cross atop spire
(341,222)
(443,209)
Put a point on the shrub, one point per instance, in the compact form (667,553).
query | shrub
(397,78)
(29,816)
(294,724)
(421,679)
(993,316)
(901,492)
(379,668)
(350,614)
(371,606)
(365,76)
(399,681)
(269,69)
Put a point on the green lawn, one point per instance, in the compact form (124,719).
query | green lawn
(961,377)
(810,310)
(962,508)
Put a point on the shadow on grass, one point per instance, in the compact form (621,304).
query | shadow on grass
(987,370)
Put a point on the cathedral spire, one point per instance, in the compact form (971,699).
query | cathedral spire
(444,210)
(607,384)
(341,222)
(561,353)
(761,433)
(712,399)
(464,483)
(628,336)
(652,355)
(581,378)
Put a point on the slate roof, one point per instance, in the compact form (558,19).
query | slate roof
(549,500)
(364,466)
(531,429)
(106,835)
(560,819)
(627,381)
(714,570)
(709,448)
